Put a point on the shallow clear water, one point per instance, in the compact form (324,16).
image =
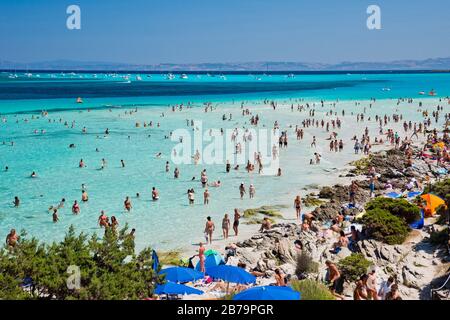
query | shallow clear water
(169,222)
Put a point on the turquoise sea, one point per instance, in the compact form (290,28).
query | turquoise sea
(41,143)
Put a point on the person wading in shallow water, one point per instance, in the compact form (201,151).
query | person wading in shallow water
(237,216)
(209,229)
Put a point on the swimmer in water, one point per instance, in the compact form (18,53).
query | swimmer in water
(75,207)
(215,184)
(127,204)
(55,215)
(206,195)
(103,219)
(242,190)
(84,196)
(158,155)
(155,194)
(122,163)
(16,202)
(33,175)
(251,191)
(61,204)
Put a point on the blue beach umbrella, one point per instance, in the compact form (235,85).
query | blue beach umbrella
(212,260)
(175,288)
(231,274)
(155,261)
(268,293)
(181,274)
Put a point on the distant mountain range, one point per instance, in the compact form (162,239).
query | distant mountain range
(439,64)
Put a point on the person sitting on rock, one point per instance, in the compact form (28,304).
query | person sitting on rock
(266,225)
(341,243)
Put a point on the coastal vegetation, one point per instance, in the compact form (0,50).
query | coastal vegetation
(310,201)
(398,207)
(268,211)
(312,290)
(361,166)
(305,264)
(388,220)
(383,226)
(78,267)
(354,266)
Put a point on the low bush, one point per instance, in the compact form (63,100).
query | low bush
(439,237)
(398,207)
(305,265)
(441,188)
(353,266)
(312,290)
(383,226)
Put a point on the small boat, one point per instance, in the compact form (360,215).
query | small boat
(223,77)
(290,75)
(183,76)
(79,100)
(138,78)
(386,89)
(422,93)
(170,76)
(432,92)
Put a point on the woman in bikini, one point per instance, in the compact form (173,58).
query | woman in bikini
(201,256)
(237,216)
(225,226)
(103,219)
(12,238)
(209,228)
(75,208)
(298,206)
(127,204)
(155,194)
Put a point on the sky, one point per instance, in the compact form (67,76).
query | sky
(201,31)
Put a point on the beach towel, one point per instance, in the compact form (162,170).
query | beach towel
(414,194)
(393,195)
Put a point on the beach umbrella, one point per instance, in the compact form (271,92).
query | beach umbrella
(268,293)
(212,260)
(433,202)
(181,274)
(155,259)
(419,223)
(175,288)
(231,274)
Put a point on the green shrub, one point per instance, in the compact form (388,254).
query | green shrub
(441,188)
(439,237)
(398,207)
(384,226)
(312,290)
(305,264)
(354,266)
(443,213)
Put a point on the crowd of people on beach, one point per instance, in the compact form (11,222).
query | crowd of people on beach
(331,122)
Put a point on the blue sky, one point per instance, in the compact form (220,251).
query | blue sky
(193,31)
